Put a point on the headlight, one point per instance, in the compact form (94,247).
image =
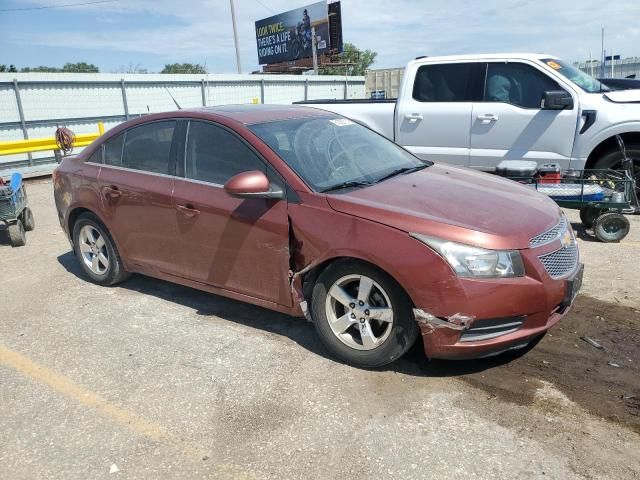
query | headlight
(475,262)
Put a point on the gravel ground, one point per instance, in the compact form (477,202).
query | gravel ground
(154,380)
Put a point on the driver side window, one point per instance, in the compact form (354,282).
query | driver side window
(214,155)
(518,84)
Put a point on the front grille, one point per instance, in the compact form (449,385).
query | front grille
(561,262)
(492,328)
(550,235)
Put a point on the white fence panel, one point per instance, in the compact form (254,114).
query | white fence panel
(80,101)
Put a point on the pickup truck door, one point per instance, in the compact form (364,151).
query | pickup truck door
(433,116)
(509,123)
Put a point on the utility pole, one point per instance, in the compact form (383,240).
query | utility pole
(602,54)
(314,50)
(235,36)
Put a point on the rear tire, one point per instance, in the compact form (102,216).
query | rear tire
(28,220)
(96,251)
(588,215)
(611,227)
(362,315)
(17,236)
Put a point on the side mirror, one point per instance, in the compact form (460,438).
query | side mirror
(252,184)
(557,100)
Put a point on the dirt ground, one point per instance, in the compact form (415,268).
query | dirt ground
(605,381)
(153,380)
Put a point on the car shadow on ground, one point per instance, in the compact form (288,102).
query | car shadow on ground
(583,233)
(414,362)
(4,237)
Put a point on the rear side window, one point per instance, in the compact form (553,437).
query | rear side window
(518,84)
(449,82)
(113,151)
(214,154)
(148,147)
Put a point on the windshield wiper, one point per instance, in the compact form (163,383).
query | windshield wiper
(404,170)
(349,184)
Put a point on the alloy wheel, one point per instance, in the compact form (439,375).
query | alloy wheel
(359,312)
(93,250)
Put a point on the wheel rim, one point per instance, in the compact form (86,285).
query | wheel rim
(359,312)
(613,227)
(93,250)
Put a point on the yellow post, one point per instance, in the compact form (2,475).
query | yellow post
(101,128)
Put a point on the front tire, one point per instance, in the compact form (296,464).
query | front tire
(96,251)
(362,315)
(612,160)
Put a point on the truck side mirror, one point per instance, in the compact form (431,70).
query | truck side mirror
(557,100)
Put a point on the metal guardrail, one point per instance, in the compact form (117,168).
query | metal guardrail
(46,144)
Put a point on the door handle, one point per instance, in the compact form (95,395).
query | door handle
(112,192)
(488,118)
(413,117)
(188,210)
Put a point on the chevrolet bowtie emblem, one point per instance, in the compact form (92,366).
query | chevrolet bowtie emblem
(566,239)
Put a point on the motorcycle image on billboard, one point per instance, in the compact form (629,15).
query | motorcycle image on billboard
(287,36)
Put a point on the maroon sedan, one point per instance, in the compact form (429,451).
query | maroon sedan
(308,213)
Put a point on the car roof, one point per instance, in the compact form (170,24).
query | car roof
(249,114)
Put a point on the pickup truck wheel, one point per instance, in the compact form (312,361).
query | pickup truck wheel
(17,237)
(96,252)
(612,160)
(361,315)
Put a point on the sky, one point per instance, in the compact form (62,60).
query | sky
(120,35)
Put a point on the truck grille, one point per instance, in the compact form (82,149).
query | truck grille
(550,235)
(561,262)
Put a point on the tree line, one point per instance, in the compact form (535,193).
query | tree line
(353,62)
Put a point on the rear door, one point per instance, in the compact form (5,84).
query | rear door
(509,123)
(434,120)
(136,191)
(241,245)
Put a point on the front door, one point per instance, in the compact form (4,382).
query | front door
(241,245)
(435,121)
(509,124)
(137,194)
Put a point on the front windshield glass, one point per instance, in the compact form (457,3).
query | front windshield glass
(577,76)
(331,152)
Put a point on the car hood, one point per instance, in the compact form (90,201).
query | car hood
(456,204)
(624,96)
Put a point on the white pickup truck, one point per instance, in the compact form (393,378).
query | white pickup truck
(477,110)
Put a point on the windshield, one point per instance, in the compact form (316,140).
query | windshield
(574,75)
(329,153)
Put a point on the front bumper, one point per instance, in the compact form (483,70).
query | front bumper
(499,315)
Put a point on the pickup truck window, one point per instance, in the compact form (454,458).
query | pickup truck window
(448,82)
(518,84)
(585,81)
(327,152)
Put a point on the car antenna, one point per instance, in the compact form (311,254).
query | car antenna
(174,100)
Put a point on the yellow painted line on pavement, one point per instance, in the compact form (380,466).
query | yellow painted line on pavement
(67,387)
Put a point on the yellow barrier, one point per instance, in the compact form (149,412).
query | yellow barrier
(44,144)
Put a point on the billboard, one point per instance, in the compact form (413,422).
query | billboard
(287,36)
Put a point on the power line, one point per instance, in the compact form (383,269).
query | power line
(268,8)
(44,7)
